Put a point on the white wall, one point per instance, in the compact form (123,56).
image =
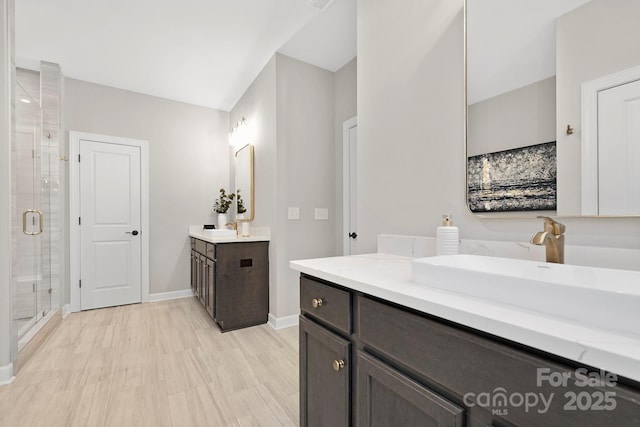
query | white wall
(7,68)
(411,135)
(595,40)
(188,162)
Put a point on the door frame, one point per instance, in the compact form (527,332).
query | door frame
(74,210)
(347,125)
(589,150)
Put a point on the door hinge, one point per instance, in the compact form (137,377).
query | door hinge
(79,221)
(33,153)
(78,158)
(50,290)
(34,287)
(80,283)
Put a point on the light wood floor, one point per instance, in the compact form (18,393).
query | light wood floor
(158,364)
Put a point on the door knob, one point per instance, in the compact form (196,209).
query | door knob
(317,302)
(134,232)
(338,364)
(353,235)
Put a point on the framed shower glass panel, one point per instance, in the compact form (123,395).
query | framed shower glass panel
(31,230)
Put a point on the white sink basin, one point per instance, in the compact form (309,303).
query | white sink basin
(600,297)
(223,232)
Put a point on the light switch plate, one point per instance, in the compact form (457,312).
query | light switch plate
(294,213)
(322,214)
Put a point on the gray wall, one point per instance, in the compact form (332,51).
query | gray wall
(305,146)
(595,40)
(258,105)
(188,163)
(291,107)
(522,117)
(411,125)
(7,68)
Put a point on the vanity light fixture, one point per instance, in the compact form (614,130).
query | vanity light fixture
(240,135)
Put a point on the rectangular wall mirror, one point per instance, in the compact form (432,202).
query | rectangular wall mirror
(244,182)
(553,107)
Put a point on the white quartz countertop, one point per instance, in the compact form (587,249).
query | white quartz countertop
(389,277)
(197,232)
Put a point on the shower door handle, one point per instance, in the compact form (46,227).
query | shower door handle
(40,222)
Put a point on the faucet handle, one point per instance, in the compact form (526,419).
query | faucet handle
(553,226)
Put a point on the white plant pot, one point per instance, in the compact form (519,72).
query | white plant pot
(222,221)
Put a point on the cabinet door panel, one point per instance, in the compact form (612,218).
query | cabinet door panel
(202,261)
(386,397)
(324,392)
(242,284)
(210,284)
(194,271)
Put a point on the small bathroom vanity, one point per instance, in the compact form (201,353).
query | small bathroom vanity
(230,277)
(379,349)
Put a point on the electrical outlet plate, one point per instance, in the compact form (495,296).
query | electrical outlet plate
(322,214)
(294,213)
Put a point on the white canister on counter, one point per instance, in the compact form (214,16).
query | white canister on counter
(447,237)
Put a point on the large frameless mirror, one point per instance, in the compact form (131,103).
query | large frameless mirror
(553,107)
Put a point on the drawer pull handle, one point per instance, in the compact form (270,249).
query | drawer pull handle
(317,302)
(338,364)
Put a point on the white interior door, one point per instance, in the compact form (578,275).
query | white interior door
(619,150)
(350,188)
(110,224)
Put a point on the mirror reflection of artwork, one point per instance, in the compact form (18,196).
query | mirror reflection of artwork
(521,179)
(528,64)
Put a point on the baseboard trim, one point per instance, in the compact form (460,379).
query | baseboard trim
(6,374)
(278,323)
(165,296)
(66,310)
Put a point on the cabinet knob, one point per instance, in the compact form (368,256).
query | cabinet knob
(338,364)
(317,302)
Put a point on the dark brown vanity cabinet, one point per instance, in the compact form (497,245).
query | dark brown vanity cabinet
(231,280)
(402,367)
(342,385)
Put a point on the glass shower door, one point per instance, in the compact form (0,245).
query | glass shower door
(32,299)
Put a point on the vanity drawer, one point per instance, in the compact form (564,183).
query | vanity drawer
(201,246)
(211,251)
(326,303)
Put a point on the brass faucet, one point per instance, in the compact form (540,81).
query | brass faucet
(552,238)
(234,225)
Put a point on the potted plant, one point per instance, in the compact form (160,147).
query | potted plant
(240,203)
(221,206)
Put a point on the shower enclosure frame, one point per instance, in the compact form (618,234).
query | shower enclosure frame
(37,203)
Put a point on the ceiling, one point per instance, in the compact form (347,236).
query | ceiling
(202,52)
